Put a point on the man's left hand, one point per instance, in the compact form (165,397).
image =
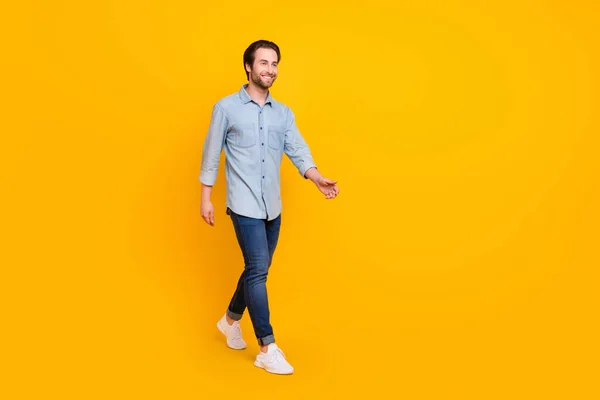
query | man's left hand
(327,187)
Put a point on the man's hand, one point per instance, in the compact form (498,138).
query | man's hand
(207,211)
(326,186)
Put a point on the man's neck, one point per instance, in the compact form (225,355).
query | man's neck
(257,93)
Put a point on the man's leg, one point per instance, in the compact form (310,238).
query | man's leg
(252,238)
(237,305)
(271,357)
(273,227)
(258,240)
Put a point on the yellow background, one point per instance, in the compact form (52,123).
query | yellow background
(459,261)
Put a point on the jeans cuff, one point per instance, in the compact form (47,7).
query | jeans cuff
(234,316)
(266,340)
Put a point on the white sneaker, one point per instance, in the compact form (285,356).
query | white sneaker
(273,361)
(233,333)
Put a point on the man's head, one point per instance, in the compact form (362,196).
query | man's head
(260,63)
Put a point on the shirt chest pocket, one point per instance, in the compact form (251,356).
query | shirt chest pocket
(243,135)
(276,137)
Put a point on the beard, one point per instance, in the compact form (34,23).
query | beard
(256,78)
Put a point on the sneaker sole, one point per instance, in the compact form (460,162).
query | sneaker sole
(259,365)
(223,332)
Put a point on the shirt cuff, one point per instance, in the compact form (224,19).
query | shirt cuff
(305,168)
(208,177)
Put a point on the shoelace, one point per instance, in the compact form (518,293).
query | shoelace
(236,331)
(277,355)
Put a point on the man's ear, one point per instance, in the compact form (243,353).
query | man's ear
(248,69)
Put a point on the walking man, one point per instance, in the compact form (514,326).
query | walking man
(255,131)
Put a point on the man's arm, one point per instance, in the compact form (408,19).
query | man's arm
(211,154)
(295,146)
(299,153)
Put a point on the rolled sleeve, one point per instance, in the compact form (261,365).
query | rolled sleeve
(213,146)
(295,146)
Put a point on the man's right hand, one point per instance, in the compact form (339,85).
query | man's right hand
(208,212)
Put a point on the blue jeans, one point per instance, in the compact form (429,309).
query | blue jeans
(257,239)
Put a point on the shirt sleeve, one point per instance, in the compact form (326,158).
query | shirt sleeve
(213,145)
(295,146)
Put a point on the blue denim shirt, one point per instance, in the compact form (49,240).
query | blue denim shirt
(254,140)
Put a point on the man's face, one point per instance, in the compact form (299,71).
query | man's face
(264,71)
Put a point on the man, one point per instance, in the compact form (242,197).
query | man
(255,130)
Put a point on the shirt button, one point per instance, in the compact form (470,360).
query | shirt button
(261,128)
(263,177)
(262,144)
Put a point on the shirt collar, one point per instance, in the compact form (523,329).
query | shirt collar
(245,97)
